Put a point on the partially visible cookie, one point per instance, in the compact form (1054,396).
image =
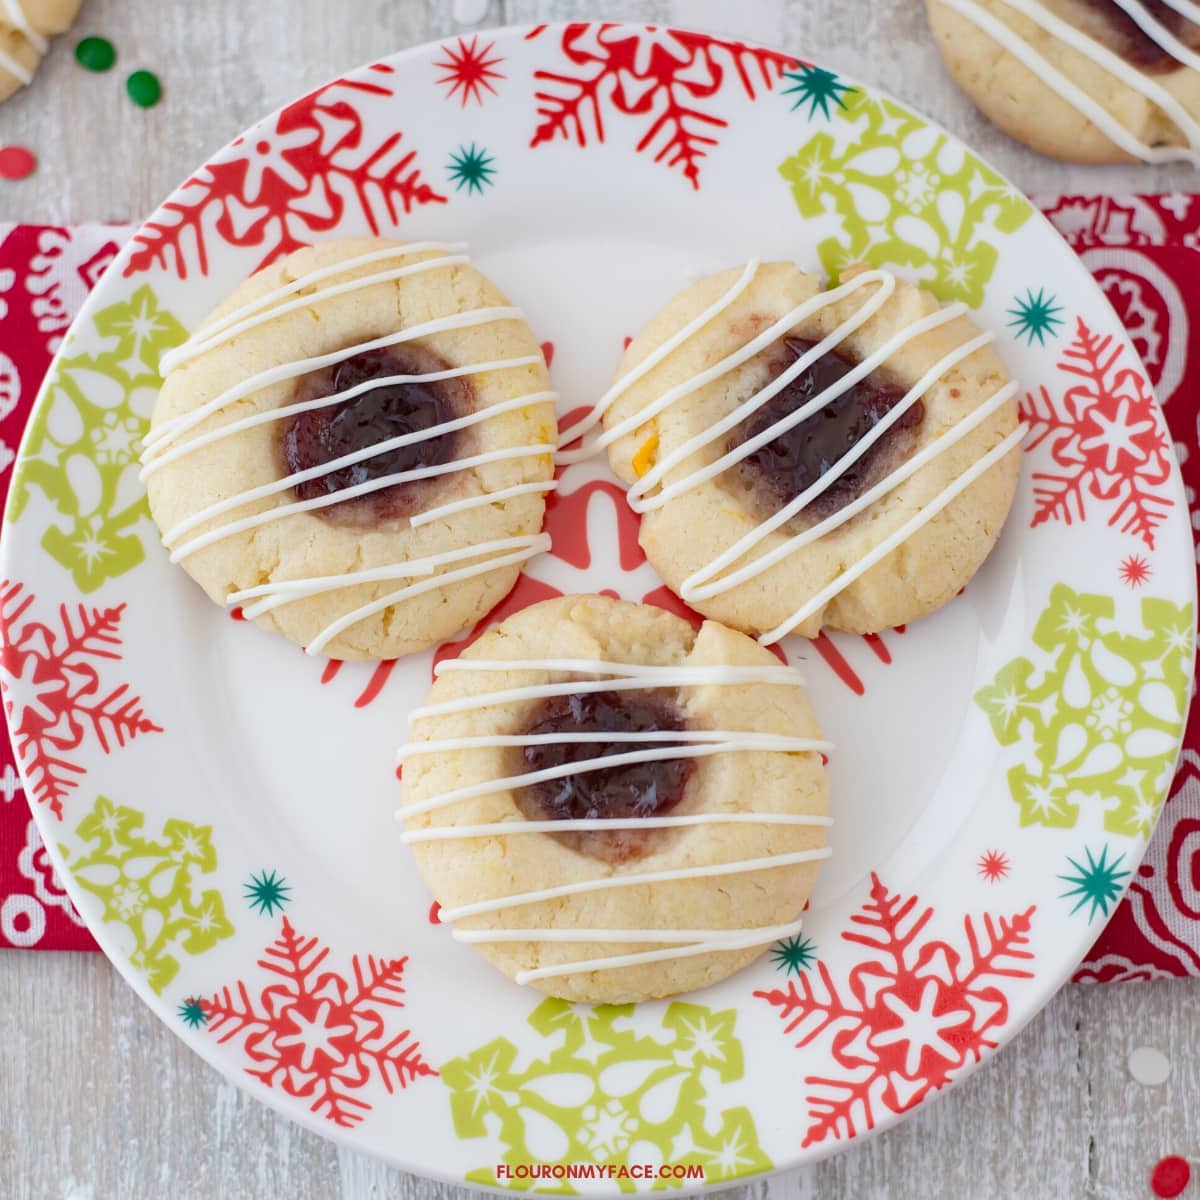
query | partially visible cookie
(1077,80)
(355,448)
(769,488)
(25,29)
(663,681)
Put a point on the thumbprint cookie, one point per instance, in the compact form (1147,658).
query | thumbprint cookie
(806,458)
(356,447)
(612,806)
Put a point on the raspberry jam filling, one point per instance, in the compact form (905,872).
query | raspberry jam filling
(780,470)
(644,789)
(376,415)
(1122,34)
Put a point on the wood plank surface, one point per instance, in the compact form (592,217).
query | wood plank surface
(98,1100)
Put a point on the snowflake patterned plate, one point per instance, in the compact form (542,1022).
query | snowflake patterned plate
(999,765)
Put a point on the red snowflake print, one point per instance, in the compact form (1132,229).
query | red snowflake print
(1134,570)
(381,672)
(469,70)
(291,180)
(567,525)
(912,1012)
(993,866)
(54,695)
(1105,437)
(379,676)
(567,517)
(835,659)
(667,77)
(318,1035)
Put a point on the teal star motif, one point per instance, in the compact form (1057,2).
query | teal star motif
(191,1013)
(794,955)
(267,893)
(817,88)
(1035,317)
(1099,884)
(471,167)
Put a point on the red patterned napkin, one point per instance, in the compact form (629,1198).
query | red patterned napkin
(45,273)
(1145,252)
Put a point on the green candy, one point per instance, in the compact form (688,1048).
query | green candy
(144,89)
(95,54)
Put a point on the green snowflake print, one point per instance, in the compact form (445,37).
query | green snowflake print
(267,893)
(191,1013)
(817,88)
(1096,716)
(1034,318)
(794,955)
(593,1090)
(471,167)
(903,194)
(81,451)
(149,888)
(1098,884)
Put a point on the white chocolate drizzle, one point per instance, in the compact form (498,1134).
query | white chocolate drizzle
(626,677)
(768,862)
(264,308)
(710,943)
(168,442)
(673,943)
(171,429)
(19,21)
(651,492)
(607,825)
(1185,8)
(1077,97)
(603,762)
(19,70)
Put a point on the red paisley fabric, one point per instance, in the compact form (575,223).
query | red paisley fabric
(45,274)
(1144,252)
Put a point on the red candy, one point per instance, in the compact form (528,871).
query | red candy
(16,162)
(1170,1176)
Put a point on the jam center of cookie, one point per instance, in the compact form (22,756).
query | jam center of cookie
(780,470)
(643,789)
(375,415)
(1124,36)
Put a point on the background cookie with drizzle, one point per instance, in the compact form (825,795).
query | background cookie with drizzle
(26,27)
(356,447)
(1092,81)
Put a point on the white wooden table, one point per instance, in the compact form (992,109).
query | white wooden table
(98,1100)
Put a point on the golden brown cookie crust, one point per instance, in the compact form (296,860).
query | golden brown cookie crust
(304,545)
(469,870)
(1014,96)
(691,530)
(46,17)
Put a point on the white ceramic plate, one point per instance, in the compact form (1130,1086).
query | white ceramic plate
(221,806)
